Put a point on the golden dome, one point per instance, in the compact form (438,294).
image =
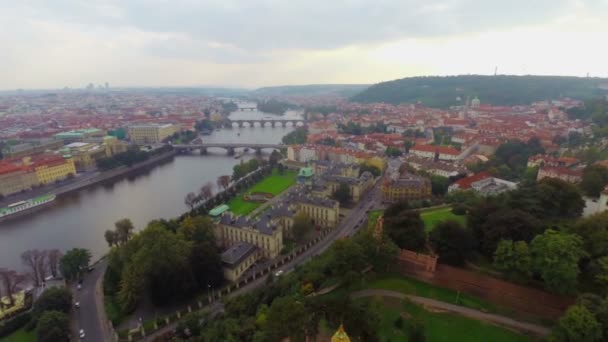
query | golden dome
(340,335)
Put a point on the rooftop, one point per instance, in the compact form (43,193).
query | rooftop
(237,253)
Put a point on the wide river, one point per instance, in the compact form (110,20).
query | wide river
(80,219)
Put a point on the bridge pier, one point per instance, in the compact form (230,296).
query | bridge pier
(240,124)
(258,151)
(203,151)
(230,151)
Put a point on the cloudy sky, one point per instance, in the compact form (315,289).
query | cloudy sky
(252,43)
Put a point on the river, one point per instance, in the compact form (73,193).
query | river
(80,219)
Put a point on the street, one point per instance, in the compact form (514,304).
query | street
(91,315)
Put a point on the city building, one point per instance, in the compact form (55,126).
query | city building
(483,183)
(151,133)
(437,152)
(398,184)
(544,160)
(437,168)
(262,233)
(14,179)
(237,259)
(51,167)
(331,175)
(563,173)
(80,135)
(28,148)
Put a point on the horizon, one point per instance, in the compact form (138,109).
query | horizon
(244,88)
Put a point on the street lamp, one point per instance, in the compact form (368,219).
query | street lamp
(209,293)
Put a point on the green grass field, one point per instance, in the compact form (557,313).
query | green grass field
(20,336)
(414,287)
(432,217)
(274,184)
(439,326)
(373,216)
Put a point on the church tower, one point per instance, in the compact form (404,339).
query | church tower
(340,335)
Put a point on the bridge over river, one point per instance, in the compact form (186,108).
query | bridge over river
(229,147)
(264,122)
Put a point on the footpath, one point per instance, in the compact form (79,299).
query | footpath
(503,321)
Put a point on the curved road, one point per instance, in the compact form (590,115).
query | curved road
(461,310)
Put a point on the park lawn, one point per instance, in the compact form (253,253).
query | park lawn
(372,217)
(274,184)
(432,217)
(440,326)
(411,286)
(20,335)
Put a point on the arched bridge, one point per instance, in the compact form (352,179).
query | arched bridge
(229,147)
(264,122)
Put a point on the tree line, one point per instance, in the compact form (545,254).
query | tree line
(283,308)
(166,261)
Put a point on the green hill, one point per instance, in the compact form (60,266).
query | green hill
(497,90)
(343,90)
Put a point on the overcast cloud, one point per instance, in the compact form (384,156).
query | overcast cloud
(253,43)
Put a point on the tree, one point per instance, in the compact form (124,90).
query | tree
(578,324)
(602,276)
(595,178)
(274,158)
(560,198)
(514,259)
(298,136)
(54,255)
(406,229)
(74,263)
(416,332)
(407,144)
(31,259)
(342,193)
(594,232)
(507,224)
(301,226)
(10,280)
(223,182)
(451,242)
(53,326)
(393,152)
(374,170)
(190,200)
(286,318)
(53,299)
(206,191)
(555,256)
(124,230)
(439,185)
(111,237)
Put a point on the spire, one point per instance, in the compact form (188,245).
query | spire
(340,335)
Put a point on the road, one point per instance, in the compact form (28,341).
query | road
(461,310)
(347,227)
(91,315)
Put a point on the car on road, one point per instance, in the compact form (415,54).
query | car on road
(79,286)
(278,273)
(81,334)
(77,305)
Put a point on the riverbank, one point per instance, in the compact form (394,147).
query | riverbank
(84,181)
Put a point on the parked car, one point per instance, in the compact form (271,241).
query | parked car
(81,334)
(278,273)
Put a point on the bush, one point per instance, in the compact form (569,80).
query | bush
(10,326)
(459,209)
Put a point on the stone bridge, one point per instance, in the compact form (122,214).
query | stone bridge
(229,147)
(265,122)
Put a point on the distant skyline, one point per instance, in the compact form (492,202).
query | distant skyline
(250,44)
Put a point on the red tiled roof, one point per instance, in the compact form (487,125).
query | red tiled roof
(437,149)
(465,183)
